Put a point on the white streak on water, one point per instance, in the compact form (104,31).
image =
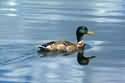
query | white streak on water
(18,72)
(95,42)
(11,79)
(12,3)
(95,48)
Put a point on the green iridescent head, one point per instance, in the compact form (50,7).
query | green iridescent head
(81,31)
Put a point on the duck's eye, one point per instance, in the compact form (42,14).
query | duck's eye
(85,30)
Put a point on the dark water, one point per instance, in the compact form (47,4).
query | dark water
(26,23)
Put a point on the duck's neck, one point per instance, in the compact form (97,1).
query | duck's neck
(79,38)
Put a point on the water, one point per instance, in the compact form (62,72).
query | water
(26,23)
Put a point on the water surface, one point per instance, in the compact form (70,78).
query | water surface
(26,23)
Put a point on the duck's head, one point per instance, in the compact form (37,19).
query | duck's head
(81,31)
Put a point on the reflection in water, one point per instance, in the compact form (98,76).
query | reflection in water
(82,59)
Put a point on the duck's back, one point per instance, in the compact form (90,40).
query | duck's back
(66,43)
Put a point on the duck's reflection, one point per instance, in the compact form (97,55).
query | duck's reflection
(82,59)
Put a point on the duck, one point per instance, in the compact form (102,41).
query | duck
(67,46)
(82,59)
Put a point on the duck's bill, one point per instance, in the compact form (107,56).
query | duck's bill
(91,33)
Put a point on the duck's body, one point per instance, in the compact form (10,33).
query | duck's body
(66,46)
(61,46)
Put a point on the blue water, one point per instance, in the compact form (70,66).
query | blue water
(24,24)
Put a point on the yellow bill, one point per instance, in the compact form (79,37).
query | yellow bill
(91,33)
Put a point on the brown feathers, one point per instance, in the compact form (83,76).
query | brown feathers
(64,46)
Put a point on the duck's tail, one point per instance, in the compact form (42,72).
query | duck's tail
(42,49)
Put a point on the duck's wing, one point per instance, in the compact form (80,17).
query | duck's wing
(49,43)
(42,47)
(67,43)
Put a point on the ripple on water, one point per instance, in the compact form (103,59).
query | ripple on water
(14,73)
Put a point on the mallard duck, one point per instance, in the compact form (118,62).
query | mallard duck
(66,46)
(82,59)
